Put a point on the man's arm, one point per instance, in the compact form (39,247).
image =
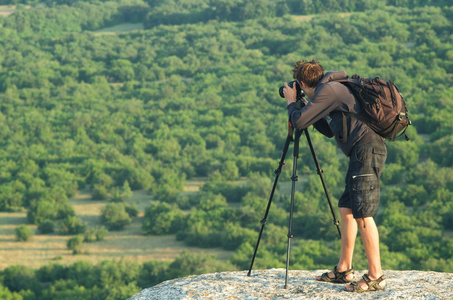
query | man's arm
(323,127)
(322,103)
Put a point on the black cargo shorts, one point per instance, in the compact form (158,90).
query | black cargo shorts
(362,190)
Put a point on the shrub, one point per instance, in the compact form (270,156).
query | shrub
(24,233)
(89,235)
(95,234)
(46,227)
(132,210)
(101,232)
(72,225)
(116,195)
(75,244)
(99,192)
(65,210)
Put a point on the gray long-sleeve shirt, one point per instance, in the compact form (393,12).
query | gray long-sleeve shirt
(325,111)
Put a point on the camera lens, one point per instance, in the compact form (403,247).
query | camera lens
(280,91)
(292,84)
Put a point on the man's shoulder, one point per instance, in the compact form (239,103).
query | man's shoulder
(334,76)
(331,87)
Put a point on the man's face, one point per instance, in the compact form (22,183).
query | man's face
(300,85)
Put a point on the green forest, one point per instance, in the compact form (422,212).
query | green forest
(191,91)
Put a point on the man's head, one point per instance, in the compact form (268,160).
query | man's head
(308,72)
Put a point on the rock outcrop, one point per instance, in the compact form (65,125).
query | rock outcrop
(269,284)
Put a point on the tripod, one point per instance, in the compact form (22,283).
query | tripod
(294,178)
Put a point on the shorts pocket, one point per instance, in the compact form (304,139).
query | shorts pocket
(365,196)
(379,157)
(380,151)
(361,154)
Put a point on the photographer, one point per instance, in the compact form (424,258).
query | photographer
(332,109)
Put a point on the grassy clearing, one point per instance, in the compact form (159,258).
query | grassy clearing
(6,10)
(125,27)
(285,187)
(129,244)
(307,18)
(194,186)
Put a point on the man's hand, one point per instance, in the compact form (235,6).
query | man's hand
(290,93)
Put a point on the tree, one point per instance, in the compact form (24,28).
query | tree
(234,235)
(64,210)
(439,151)
(11,196)
(118,194)
(122,70)
(115,217)
(153,272)
(83,273)
(403,153)
(230,171)
(126,190)
(162,218)
(189,263)
(117,273)
(138,179)
(40,211)
(7,294)
(99,192)
(20,278)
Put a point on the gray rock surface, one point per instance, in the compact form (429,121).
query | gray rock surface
(269,284)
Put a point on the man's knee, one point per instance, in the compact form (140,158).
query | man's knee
(365,223)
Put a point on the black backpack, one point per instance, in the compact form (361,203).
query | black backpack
(383,108)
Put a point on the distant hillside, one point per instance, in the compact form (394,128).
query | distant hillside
(189,92)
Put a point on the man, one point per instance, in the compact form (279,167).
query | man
(332,109)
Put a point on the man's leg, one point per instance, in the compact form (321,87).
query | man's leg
(370,240)
(348,236)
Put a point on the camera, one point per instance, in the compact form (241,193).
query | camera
(300,94)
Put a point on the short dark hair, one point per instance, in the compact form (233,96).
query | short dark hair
(310,72)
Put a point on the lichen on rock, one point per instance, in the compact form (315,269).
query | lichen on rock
(270,284)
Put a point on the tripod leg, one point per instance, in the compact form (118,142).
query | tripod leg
(294,178)
(335,221)
(277,175)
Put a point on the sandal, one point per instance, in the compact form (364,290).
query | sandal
(340,277)
(373,285)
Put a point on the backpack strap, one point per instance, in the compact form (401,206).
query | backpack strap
(344,139)
(402,115)
(404,132)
